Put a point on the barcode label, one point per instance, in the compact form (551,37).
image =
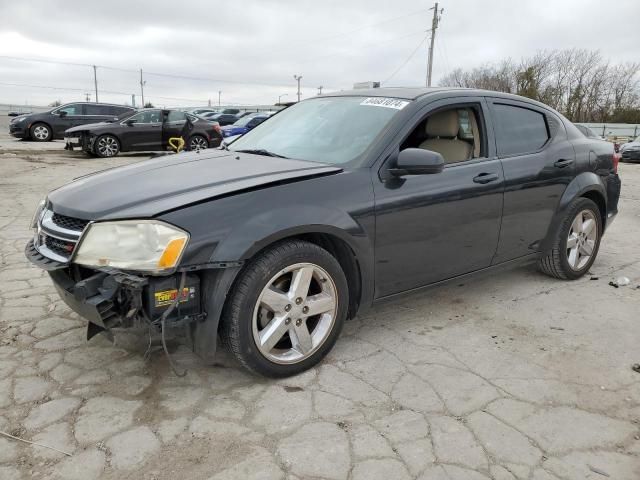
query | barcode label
(386,102)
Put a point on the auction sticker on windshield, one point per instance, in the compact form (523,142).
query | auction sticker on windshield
(386,102)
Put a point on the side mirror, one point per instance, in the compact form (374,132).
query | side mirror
(62,113)
(417,161)
(129,122)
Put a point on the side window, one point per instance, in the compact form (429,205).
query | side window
(97,110)
(519,130)
(149,116)
(175,116)
(455,133)
(120,110)
(73,109)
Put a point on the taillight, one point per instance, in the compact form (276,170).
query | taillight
(616,160)
(216,128)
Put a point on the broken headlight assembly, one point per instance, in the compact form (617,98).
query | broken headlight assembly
(147,246)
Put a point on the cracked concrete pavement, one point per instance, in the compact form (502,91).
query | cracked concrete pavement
(514,376)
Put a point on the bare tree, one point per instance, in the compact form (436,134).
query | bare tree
(579,83)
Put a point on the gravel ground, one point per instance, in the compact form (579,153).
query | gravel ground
(515,376)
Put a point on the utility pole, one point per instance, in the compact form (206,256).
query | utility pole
(434,27)
(320,90)
(133,99)
(142,84)
(280,97)
(95,81)
(298,78)
(87,96)
(219,96)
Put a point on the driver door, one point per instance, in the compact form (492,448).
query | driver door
(433,227)
(142,131)
(68,116)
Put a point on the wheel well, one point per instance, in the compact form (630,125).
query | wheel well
(346,258)
(43,123)
(598,199)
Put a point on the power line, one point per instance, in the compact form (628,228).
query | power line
(406,61)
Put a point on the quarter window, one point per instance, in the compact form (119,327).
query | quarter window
(519,130)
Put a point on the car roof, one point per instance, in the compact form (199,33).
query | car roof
(414,93)
(98,103)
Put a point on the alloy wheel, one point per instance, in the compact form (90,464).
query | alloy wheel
(198,143)
(41,132)
(295,313)
(582,239)
(107,146)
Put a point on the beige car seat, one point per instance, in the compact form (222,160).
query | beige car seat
(442,137)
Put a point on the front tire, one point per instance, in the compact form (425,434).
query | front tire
(106,146)
(286,309)
(41,132)
(576,242)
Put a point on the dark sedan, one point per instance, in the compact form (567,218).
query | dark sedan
(334,204)
(224,118)
(146,130)
(51,125)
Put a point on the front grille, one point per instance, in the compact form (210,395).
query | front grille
(69,223)
(58,246)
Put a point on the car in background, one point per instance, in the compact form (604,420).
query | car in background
(51,125)
(244,124)
(223,118)
(629,152)
(587,132)
(146,130)
(201,112)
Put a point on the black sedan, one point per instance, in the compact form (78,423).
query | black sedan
(334,204)
(146,130)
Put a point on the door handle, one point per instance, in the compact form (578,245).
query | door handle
(485,178)
(563,163)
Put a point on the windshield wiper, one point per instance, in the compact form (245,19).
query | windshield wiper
(261,151)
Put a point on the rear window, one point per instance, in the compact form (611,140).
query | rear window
(519,130)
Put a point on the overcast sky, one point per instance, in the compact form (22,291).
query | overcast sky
(250,49)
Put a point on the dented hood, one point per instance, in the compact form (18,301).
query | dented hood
(154,186)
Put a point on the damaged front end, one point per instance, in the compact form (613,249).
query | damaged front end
(113,299)
(110,297)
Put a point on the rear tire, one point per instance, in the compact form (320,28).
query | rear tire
(106,146)
(576,242)
(41,132)
(269,325)
(198,142)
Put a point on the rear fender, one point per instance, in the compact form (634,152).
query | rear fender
(579,186)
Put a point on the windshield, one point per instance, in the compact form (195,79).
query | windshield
(330,130)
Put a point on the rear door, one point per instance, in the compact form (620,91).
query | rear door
(174,124)
(98,113)
(538,164)
(433,227)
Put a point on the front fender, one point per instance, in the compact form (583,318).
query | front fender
(268,227)
(578,187)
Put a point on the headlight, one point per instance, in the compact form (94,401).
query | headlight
(144,245)
(38,213)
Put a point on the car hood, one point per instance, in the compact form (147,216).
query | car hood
(87,126)
(151,187)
